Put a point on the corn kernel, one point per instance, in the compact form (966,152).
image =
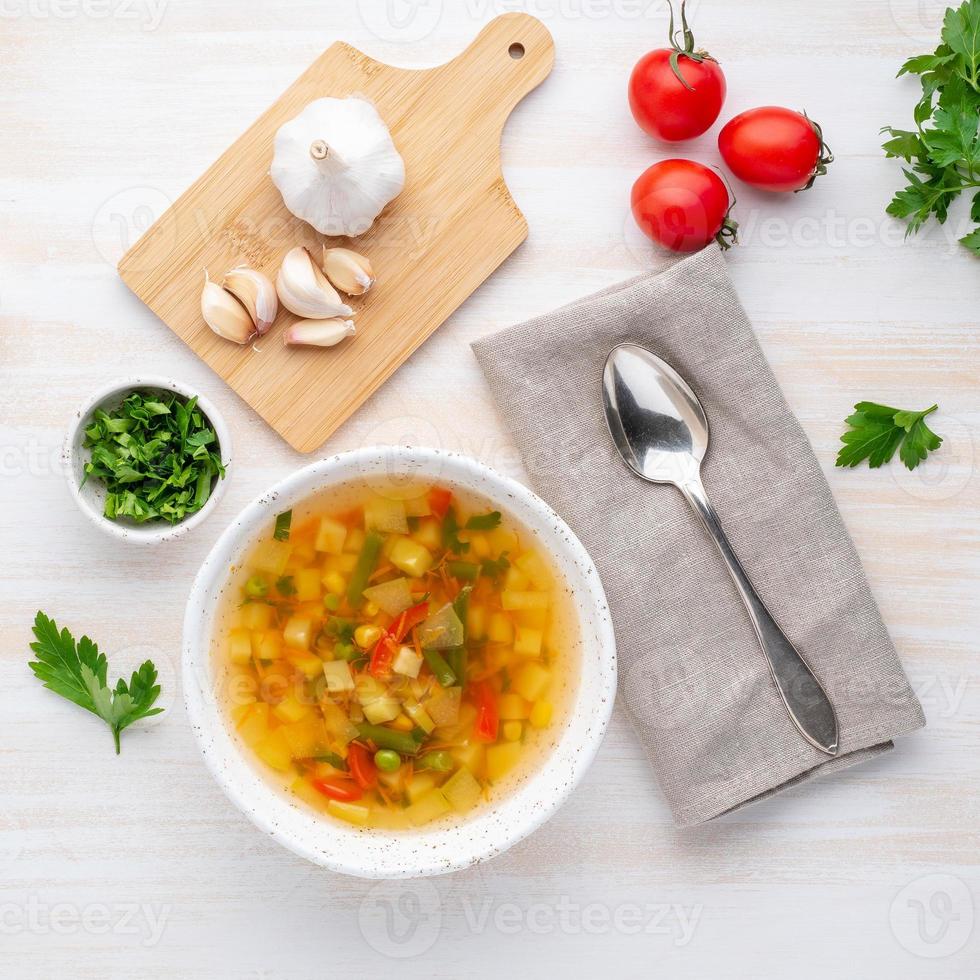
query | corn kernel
(366,636)
(541,714)
(335,582)
(513,731)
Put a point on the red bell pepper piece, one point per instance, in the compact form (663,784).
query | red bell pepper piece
(387,646)
(362,766)
(338,789)
(439,501)
(487,714)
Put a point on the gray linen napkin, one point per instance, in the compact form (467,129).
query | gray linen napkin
(692,675)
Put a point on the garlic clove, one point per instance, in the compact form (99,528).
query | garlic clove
(224,314)
(305,290)
(350,272)
(319,333)
(254,291)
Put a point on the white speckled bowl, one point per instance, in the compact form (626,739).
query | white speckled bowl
(91,497)
(493,828)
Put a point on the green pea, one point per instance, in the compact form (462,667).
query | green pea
(387,760)
(257,587)
(345,651)
(331,602)
(440,761)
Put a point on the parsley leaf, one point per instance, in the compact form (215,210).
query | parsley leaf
(157,455)
(943,152)
(877,431)
(484,522)
(77,671)
(450,534)
(283,524)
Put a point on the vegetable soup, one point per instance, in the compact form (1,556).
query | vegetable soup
(397,657)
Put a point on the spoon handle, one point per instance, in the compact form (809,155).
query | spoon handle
(805,699)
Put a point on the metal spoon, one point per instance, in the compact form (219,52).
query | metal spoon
(661,430)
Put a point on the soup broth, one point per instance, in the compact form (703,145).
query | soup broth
(398,657)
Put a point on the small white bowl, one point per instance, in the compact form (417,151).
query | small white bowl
(376,853)
(91,497)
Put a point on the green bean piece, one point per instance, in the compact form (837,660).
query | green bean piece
(456,658)
(367,561)
(440,761)
(465,570)
(445,675)
(387,738)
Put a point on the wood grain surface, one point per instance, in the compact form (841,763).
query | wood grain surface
(446,123)
(107,119)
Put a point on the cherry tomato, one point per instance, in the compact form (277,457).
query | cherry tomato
(439,500)
(487,712)
(337,789)
(676,93)
(362,766)
(683,205)
(775,149)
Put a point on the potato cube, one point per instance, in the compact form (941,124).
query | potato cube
(501,759)
(330,536)
(271,556)
(411,557)
(513,601)
(429,534)
(407,662)
(303,737)
(386,515)
(476,622)
(257,616)
(541,714)
(267,644)
(307,584)
(531,681)
(500,628)
(240,646)
(298,632)
(430,807)
(338,676)
(354,542)
(513,707)
(354,813)
(307,664)
(462,790)
(528,642)
(515,580)
(274,751)
(534,567)
(471,756)
(289,710)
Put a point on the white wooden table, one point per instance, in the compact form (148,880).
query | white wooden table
(137,865)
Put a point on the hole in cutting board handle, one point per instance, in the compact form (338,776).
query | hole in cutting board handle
(516,51)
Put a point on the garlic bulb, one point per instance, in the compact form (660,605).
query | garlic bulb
(305,290)
(336,166)
(349,272)
(254,291)
(225,315)
(319,333)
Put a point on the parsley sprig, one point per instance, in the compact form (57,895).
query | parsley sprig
(77,671)
(877,431)
(157,454)
(943,151)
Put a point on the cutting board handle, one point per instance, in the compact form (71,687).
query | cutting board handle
(515,52)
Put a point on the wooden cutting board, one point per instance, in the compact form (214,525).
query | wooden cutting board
(451,227)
